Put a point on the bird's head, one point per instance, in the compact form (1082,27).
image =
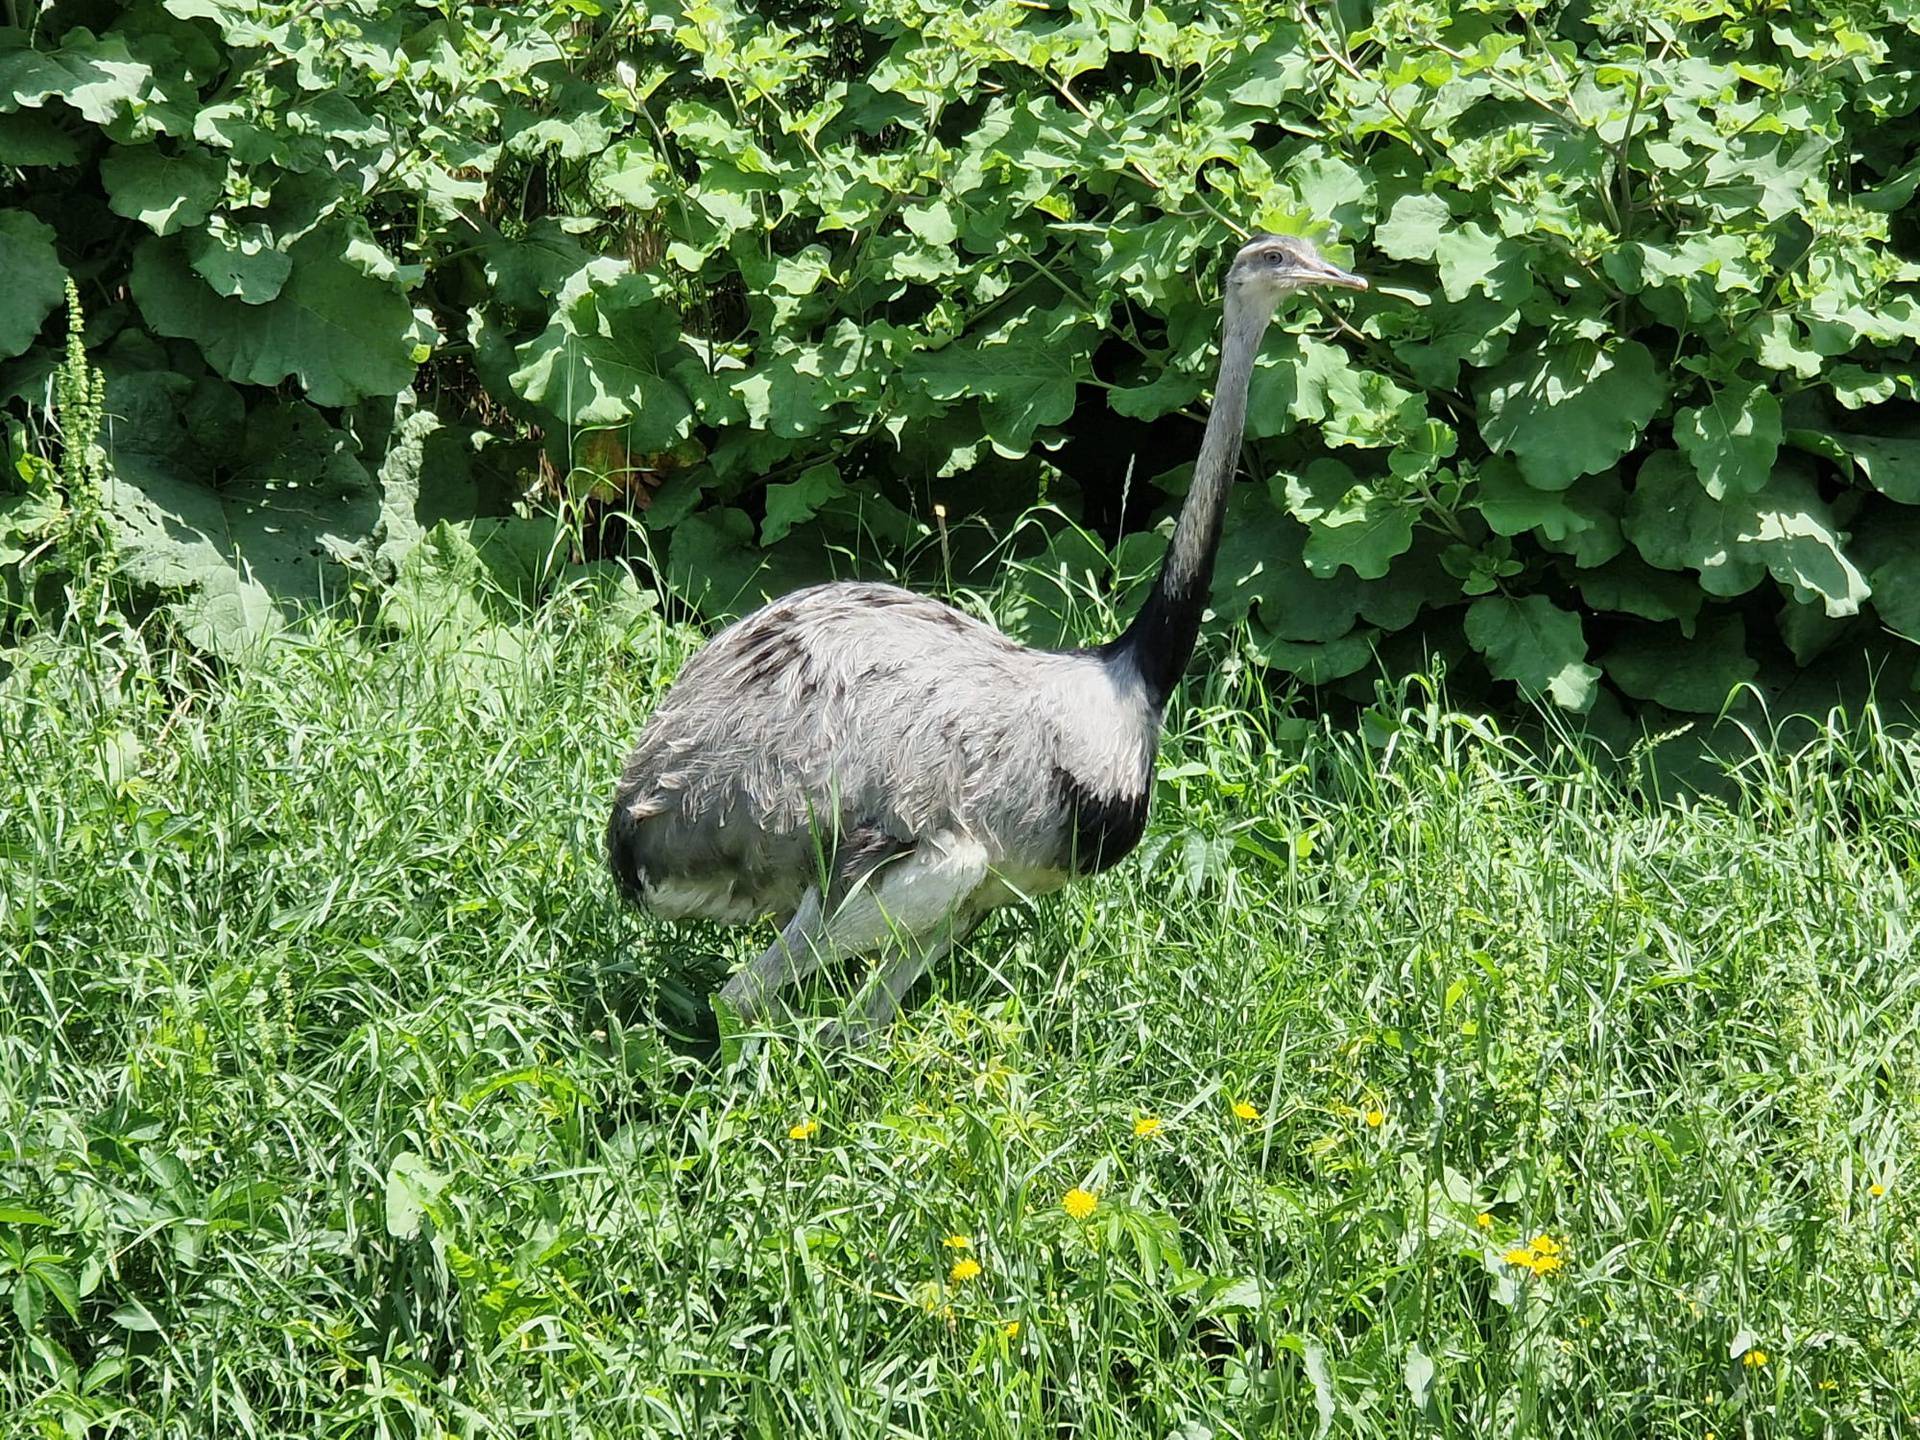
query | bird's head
(1271,267)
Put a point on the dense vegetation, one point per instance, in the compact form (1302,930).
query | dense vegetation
(1631,413)
(337,1099)
(1411,1080)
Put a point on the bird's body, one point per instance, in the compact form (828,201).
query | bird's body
(878,770)
(881,717)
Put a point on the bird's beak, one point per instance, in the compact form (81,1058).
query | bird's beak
(1326,273)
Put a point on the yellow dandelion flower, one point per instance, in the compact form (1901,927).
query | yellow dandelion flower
(1483,1220)
(1876,1190)
(958,1242)
(1546,1264)
(1544,1245)
(1376,1118)
(805,1130)
(963,1270)
(1754,1359)
(1520,1256)
(1011,1329)
(1145,1125)
(1245,1111)
(1079,1203)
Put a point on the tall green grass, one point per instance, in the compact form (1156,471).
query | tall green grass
(338,1097)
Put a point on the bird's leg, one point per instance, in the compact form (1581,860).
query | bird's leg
(905,914)
(800,949)
(879,1001)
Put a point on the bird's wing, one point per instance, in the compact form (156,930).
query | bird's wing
(855,708)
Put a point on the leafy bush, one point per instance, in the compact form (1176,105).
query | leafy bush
(1634,395)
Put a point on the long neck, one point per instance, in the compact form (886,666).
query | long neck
(1160,640)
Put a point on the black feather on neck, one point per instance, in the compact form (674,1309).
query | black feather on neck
(1159,642)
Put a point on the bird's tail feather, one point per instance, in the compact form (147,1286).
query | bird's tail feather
(625,857)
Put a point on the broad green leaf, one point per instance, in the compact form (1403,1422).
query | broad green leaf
(1333,191)
(227,612)
(1694,674)
(1472,259)
(1145,260)
(1632,587)
(572,126)
(1025,374)
(96,76)
(631,172)
(1732,439)
(164,192)
(1598,501)
(339,334)
(250,550)
(1537,645)
(1511,506)
(1261,75)
(1675,525)
(1423,446)
(931,222)
(1443,335)
(1365,542)
(1275,387)
(240,262)
(1316,663)
(784,284)
(715,563)
(1809,632)
(1261,565)
(730,196)
(603,357)
(1891,464)
(425,477)
(1304,379)
(1414,227)
(790,504)
(1785,529)
(1570,410)
(1168,391)
(35,283)
(793,391)
(1367,410)
(1349,522)
(527,272)
(441,593)
(1314,1357)
(1889,552)
(135,1316)
(1782,343)
(1417,581)
(1856,388)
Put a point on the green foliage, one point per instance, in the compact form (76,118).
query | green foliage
(34,281)
(1639,307)
(1536,644)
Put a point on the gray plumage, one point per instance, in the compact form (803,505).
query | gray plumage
(878,770)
